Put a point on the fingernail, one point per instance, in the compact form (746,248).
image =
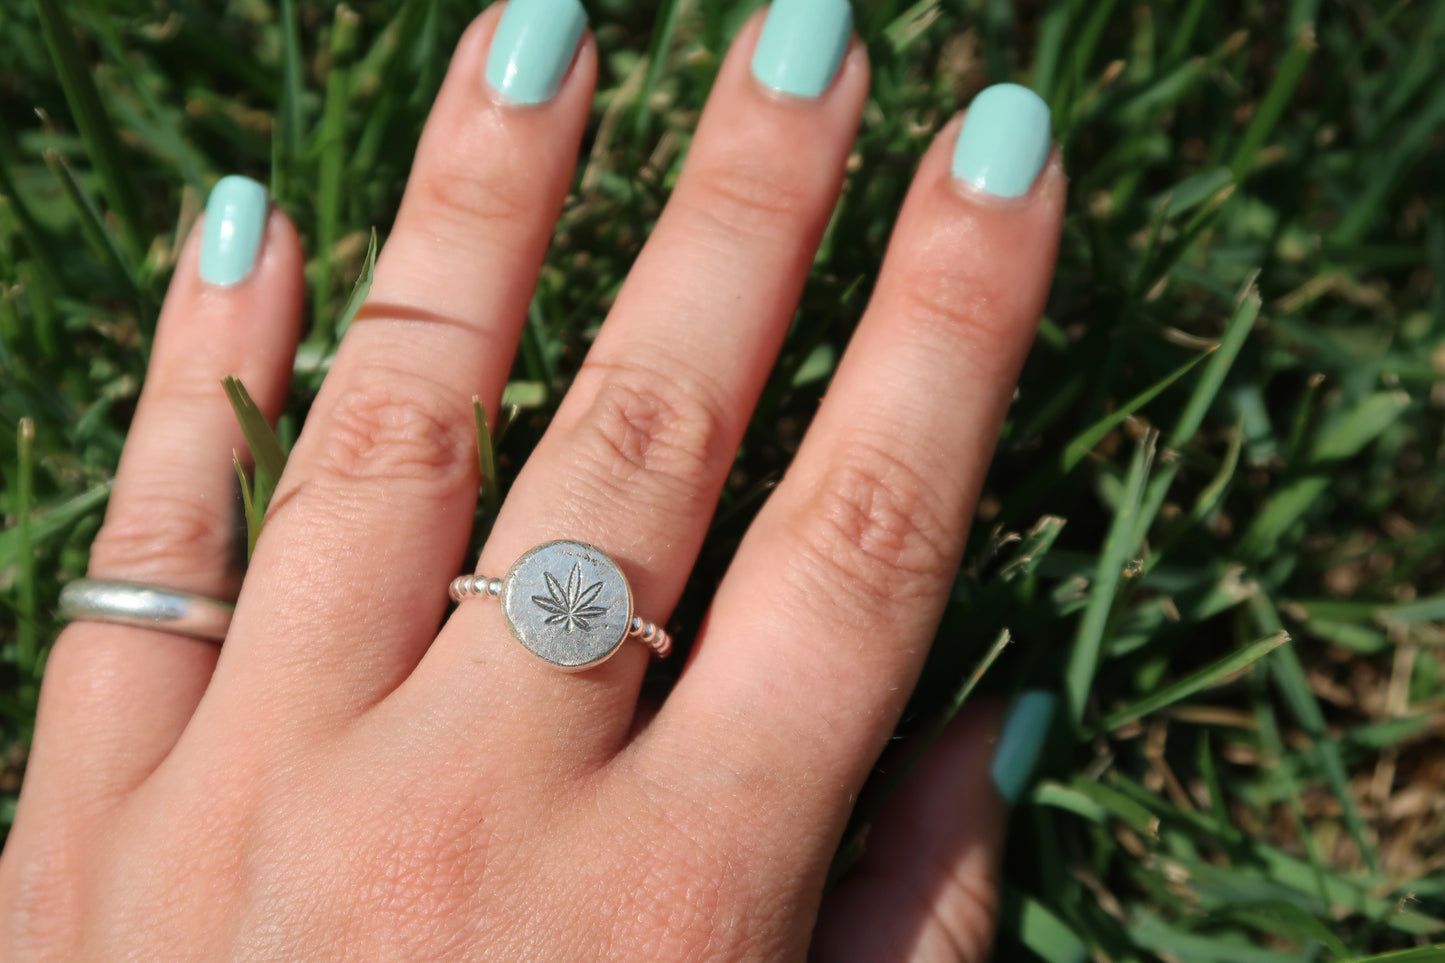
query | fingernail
(1004,141)
(235,223)
(802,44)
(533,47)
(1019,742)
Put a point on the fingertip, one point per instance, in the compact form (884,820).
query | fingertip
(775,81)
(938,173)
(926,886)
(1019,742)
(1004,142)
(531,53)
(802,50)
(253,322)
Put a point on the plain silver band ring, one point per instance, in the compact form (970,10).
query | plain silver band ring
(146,607)
(484,587)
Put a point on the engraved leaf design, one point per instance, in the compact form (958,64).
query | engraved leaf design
(571,605)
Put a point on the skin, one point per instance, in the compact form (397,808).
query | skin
(350,778)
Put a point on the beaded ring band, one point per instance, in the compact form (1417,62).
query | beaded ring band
(568,603)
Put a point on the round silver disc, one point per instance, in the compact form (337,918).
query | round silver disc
(568,603)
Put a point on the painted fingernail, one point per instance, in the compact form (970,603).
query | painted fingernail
(533,47)
(1004,142)
(1019,742)
(802,44)
(235,223)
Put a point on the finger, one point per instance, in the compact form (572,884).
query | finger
(115,698)
(635,457)
(373,513)
(837,589)
(925,889)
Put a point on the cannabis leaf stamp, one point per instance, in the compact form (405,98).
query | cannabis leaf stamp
(572,605)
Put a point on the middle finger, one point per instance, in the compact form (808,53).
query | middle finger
(636,456)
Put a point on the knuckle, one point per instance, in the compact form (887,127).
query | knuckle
(185,384)
(394,425)
(494,192)
(646,429)
(749,198)
(874,526)
(165,535)
(955,301)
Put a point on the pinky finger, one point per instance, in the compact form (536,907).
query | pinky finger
(115,698)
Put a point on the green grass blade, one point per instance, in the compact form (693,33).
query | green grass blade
(1201,400)
(331,148)
(1037,928)
(288,139)
(254,519)
(1388,172)
(361,289)
(1292,681)
(1184,29)
(1169,255)
(266,452)
(1194,191)
(1117,805)
(1283,920)
(93,229)
(102,146)
(37,239)
(1271,107)
(1434,953)
(1031,551)
(1211,675)
(1362,424)
(1152,933)
(1295,448)
(1069,799)
(1119,545)
(49,523)
(1236,332)
(27,645)
(1079,447)
(1431,609)
(1212,494)
(1082,47)
(158,127)
(1346,437)
(487,456)
(1048,51)
(1285,507)
(658,49)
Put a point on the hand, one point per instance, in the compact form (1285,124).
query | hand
(348,782)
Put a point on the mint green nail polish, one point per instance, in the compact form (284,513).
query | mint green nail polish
(533,47)
(1004,142)
(802,44)
(1019,742)
(232,232)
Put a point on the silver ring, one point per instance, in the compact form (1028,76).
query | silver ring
(147,607)
(568,604)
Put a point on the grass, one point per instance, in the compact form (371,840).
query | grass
(1215,520)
